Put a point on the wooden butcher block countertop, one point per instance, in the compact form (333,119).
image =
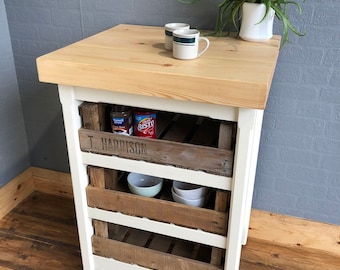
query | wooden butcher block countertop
(132,59)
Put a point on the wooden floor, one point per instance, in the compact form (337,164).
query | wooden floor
(41,234)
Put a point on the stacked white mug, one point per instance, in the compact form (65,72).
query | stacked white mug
(183,41)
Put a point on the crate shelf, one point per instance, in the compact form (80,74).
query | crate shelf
(183,141)
(116,197)
(152,250)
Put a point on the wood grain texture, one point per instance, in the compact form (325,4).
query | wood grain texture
(196,157)
(165,211)
(132,59)
(93,115)
(152,259)
(37,246)
(222,200)
(270,255)
(40,234)
(295,232)
(98,179)
(198,152)
(52,182)
(15,192)
(265,226)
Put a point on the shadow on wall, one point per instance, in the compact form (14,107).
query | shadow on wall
(8,173)
(14,154)
(47,141)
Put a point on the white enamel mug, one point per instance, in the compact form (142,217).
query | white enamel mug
(186,44)
(169,28)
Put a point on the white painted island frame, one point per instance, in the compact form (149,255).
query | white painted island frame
(127,65)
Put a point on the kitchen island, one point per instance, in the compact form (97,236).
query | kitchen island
(128,65)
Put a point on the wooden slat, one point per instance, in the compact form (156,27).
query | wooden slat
(206,132)
(160,243)
(100,228)
(196,157)
(222,201)
(163,122)
(93,115)
(145,257)
(180,128)
(169,212)
(138,238)
(226,136)
(111,178)
(204,253)
(183,249)
(98,178)
(117,232)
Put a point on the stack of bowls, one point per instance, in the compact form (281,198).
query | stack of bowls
(144,185)
(189,194)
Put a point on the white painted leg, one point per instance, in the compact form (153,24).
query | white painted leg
(239,189)
(252,172)
(78,171)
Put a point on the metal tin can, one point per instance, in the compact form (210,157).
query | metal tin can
(121,120)
(145,124)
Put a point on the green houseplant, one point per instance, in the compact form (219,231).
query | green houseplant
(229,12)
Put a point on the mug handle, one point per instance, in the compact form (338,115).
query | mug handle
(206,46)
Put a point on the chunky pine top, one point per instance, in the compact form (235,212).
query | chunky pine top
(132,59)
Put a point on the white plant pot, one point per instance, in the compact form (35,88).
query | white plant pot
(251,29)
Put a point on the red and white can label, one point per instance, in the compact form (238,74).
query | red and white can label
(145,124)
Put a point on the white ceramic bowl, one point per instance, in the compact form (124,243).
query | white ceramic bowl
(189,191)
(144,185)
(193,202)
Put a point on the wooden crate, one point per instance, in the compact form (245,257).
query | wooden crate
(108,191)
(191,142)
(152,251)
(115,197)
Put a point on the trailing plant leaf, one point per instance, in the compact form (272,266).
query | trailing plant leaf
(188,1)
(229,10)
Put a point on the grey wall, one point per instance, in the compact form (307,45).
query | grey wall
(14,156)
(299,162)
(298,170)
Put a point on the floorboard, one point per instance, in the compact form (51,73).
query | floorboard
(41,233)
(279,257)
